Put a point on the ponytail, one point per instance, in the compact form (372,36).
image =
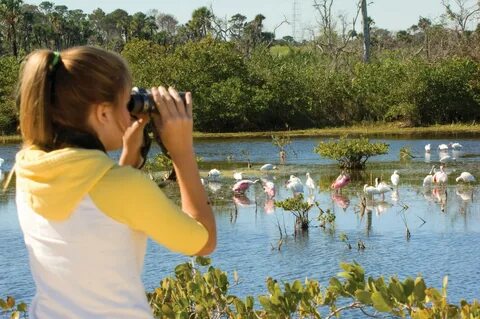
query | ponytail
(35,98)
(56,92)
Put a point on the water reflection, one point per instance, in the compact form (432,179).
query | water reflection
(341,200)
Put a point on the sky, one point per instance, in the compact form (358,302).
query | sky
(393,15)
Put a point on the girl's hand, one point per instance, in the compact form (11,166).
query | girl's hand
(174,124)
(132,142)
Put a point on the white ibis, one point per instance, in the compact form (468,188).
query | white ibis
(395,178)
(465,177)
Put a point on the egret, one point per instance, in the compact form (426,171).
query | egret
(295,185)
(395,178)
(428,147)
(465,177)
(310,183)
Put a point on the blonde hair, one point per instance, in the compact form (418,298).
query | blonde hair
(57,96)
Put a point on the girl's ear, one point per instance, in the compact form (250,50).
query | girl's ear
(102,113)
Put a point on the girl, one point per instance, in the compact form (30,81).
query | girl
(86,219)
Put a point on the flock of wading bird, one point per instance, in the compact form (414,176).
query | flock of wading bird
(434,183)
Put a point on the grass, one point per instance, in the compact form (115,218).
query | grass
(378,130)
(381,129)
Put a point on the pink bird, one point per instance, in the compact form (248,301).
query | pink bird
(268,188)
(341,181)
(241,187)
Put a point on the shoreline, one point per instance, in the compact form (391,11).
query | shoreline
(370,130)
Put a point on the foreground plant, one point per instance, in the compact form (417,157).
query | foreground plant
(298,207)
(9,308)
(196,294)
(351,153)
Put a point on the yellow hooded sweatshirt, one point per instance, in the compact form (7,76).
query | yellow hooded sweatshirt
(85,222)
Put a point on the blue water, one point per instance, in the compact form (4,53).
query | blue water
(446,244)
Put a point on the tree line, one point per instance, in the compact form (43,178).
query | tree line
(243,78)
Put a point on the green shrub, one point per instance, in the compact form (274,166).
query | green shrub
(351,153)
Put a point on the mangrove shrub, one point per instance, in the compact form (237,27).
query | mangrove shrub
(351,153)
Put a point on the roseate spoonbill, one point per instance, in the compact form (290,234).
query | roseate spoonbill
(238,176)
(268,188)
(465,177)
(428,180)
(341,181)
(241,187)
(310,183)
(428,147)
(443,147)
(295,185)
(214,174)
(456,146)
(440,177)
(395,178)
(268,167)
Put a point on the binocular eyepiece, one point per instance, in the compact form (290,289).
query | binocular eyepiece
(141,101)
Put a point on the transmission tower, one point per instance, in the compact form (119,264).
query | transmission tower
(296,20)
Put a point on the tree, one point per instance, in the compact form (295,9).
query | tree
(351,153)
(366,32)
(200,25)
(10,14)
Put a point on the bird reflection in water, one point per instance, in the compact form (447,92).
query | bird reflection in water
(214,186)
(439,195)
(269,206)
(395,195)
(341,200)
(241,200)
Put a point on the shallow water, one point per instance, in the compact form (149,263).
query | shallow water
(446,244)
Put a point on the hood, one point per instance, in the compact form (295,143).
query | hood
(55,182)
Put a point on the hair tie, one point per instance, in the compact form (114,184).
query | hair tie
(56,58)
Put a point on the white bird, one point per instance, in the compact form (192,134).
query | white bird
(456,146)
(428,147)
(1,172)
(447,159)
(443,147)
(310,183)
(268,167)
(440,177)
(395,178)
(428,180)
(370,190)
(214,174)
(465,177)
(382,188)
(295,185)
(238,176)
